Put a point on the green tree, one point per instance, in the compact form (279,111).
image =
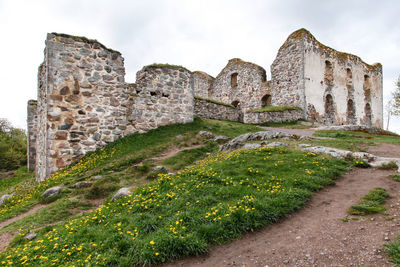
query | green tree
(396,99)
(12,146)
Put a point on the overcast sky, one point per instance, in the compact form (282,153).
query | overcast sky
(200,35)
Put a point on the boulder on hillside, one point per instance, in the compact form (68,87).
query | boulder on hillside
(53,191)
(123,192)
(30,236)
(5,197)
(82,184)
(206,134)
(160,169)
(221,139)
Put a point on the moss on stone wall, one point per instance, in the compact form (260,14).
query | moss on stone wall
(84,40)
(166,65)
(341,56)
(272,109)
(214,101)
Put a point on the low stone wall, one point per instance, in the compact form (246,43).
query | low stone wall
(210,110)
(273,116)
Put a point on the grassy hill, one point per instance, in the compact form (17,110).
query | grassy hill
(215,199)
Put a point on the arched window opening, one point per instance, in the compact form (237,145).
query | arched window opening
(234,82)
(351,112)
(328,72)
(368,115)
(367,88)
(266,101)
(349,79)
(329,110)
(236,103)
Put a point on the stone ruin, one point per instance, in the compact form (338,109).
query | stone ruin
(84,102)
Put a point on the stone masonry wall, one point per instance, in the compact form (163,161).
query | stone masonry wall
(32,134)
(162,96)
(202,84)
(248,90)
(210,110)
(287,87)
(82,100)
(335,87)
(273,116)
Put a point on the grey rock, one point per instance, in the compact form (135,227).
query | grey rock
(179,137)
(251,146)
(98,177)
(65,126)
(53,191)
(221,139)
(273,144)
(123,192)
(30,236)
(5,197)
(82,184)
(263,135)
(206,134)
(160,169)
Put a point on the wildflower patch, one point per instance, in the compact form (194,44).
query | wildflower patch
(174,216)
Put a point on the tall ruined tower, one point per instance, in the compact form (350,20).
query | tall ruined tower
(331,87)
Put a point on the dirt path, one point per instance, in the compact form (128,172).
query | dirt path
(384,150)
(173,152)
(315,235)
(5,238)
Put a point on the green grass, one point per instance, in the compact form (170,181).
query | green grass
(273,108)
(166,65)
(370,203)
(57,211)
(116,158)
(288,124)
(214,101)
(393,249)
(20,175)
(388,166)
(189,156)
(212,202)
(395,177)
(359,137)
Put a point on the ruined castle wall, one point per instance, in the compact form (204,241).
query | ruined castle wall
(335,88)
(42,166)
(287,87)
(210,110)
(163,96)
(202,84)
(82,101)
(273,116)
(32,118)
(240,82)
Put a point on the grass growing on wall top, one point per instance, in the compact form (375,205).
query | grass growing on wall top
(165,65)
(214,101)
(272,108)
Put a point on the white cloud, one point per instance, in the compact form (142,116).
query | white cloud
(201,35)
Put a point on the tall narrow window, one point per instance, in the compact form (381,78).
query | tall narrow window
(234,82)
(351,112)
(328,72)
(367,88)
(329,110)
(368,115)
(349,79)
